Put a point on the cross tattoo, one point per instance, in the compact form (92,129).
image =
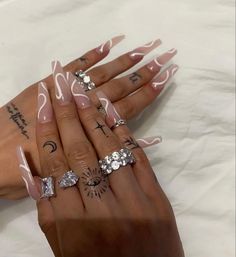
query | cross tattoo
(100,126)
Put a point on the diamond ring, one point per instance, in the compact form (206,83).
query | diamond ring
(85,79)
(69,179)
(119,123)
(116,160)
(47,187)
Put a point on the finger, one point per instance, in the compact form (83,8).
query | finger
(80,154)
(122,182)
(141,169)
(67,203)
(119,88)
(134,104)
(93,56)
(104,73)
(47,224)
(45,213)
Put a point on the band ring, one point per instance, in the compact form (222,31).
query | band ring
(119,123)
(116,160)
(85,79)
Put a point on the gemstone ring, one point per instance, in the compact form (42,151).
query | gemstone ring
(85,79)
(116,160)
(69,179)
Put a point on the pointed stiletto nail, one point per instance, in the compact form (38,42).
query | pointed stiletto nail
(27,175)
(149,141)
(159,82)
(140,52)
(155,65)
(45,112)
(112,115)
(107,46)
(62,89)
(79,94)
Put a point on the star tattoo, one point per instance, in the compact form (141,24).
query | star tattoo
(101,127)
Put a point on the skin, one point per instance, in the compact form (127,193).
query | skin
(104,76)
(132,217)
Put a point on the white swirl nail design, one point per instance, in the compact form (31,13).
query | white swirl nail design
(101,49)
(59,94)
(171,51)
(174,70)
(24,165)
(137,54)
(151,141)
(74,84)
(44,102)
(158,84)
(150,44)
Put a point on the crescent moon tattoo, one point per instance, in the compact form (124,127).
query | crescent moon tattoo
(52,144)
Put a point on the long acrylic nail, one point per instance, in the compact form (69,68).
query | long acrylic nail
(27,175)
(159,82)
(45,112)
(62,89)
(80,96)
(140,52)
(107,46)
(112,115)
(155,65)
(149,141)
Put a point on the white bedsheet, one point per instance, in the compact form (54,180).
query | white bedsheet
(195,116)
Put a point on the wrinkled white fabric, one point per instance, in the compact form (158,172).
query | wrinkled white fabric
(195,115)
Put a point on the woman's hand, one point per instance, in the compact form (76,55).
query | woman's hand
(124,213)
(130,95)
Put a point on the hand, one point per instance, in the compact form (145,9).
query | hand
(20,130)
(123,214)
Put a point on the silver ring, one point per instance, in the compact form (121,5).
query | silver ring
(85,79)
(69,179)
(47,187)
(116,160)
(119,123)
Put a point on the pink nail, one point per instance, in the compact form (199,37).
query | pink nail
(81,98)
(159,82)
(146,142)
(140,52)
(45,112)
(107,46)
(62,89)
(27,175)
(160,61)
(112,114)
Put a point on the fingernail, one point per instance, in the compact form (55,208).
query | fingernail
(140,52)
(62,89)
(149,141)
(79,94)
(159,82)
(107,46)
(45,112)
(160,61)
(27,175)
(112,115)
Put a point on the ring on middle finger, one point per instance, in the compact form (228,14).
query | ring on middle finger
(69,179)
(116,160)
(85,80)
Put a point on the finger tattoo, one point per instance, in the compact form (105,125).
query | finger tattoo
(131,143)
(52,145)
(135,77)
(101,127)
(95,182)
(83,59)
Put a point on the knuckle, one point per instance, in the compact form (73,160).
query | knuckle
(66,115)
(111,145)
(101,74)
(54,166)
(118,88)
(80,151)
